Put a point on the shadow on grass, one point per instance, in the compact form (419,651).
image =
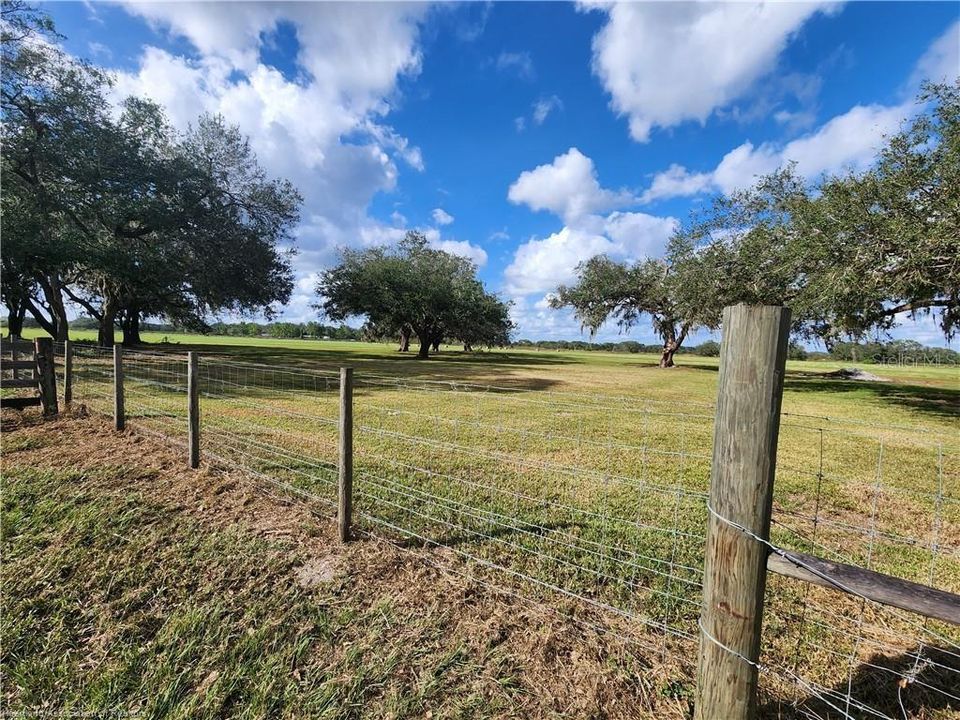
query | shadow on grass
(878,688)
(483,533)
(940,402)
(498,369)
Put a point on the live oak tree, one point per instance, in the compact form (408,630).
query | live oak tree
(413,288)
(894,231)
(484,320)
(51,105)
(120,214)
(626,293)
(852,254)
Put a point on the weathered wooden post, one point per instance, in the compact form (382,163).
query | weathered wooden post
(119,419)
(345,464)
(67,373)
(752,361)
(46,375)
(193,408)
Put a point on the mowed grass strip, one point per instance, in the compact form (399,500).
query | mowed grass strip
(133,586)
(604,498)
(601,496)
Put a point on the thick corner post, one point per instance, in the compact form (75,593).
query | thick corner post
(46,375)
(752,362)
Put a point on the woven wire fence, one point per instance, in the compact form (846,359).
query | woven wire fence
(595,506)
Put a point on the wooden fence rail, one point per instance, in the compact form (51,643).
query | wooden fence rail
(37,360)
(853,580)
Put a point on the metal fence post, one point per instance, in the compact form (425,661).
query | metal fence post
(46,375)
(67,373)
(119,419)
(752,361)
(345,480)
(193,409)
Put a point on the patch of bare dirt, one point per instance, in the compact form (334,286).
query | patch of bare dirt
(318,571)
(856,374)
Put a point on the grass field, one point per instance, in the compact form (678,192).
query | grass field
(583,475)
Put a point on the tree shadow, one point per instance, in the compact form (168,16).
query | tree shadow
(446,361)
(481,534)
(939,402)
(885,686)
(313,371)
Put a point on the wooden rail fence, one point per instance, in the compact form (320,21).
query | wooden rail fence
(31,366)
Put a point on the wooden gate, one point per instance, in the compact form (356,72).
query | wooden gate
(26,365)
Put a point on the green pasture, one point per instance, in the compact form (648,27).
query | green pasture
(586,472)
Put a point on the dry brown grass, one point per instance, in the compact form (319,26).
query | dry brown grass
(522,659)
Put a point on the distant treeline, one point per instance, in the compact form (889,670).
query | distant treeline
(894,352)
(897,352)
(287,330)
(238,329)
(710,348)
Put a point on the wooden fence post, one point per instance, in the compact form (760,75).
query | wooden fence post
(46,375)
(119,419)
(193,409)
(752,361)
(67,373)
(345,483)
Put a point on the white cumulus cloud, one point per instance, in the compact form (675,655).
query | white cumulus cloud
(441,216)
(539,265)
(941,62)
(664,63)
(567,187)
(847,142)
(463,248)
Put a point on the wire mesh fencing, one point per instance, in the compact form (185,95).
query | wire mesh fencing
(597,506)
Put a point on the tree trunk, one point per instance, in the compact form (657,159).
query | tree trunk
(57,326)
(131,328)
(424,351)
(404,339)
(17,310)
(107,321)
(672,340)
(666,356)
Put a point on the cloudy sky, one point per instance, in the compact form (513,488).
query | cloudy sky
(527,136)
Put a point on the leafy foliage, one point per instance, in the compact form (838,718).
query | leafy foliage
(607,289)
(414,287)
(850,254)
(121,214)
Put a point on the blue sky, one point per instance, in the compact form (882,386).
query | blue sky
(528,136)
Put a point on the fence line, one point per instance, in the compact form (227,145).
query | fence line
(532,506)
(597,401)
